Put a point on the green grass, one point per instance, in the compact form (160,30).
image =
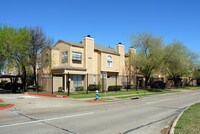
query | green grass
(3,105)
(146,94)
(189,121)
(122,94)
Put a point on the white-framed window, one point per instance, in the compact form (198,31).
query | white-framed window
(76,56)
(109,61)
(77,80)
(64,56)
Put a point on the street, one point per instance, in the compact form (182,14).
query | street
(45,115)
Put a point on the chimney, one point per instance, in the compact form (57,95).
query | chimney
(88,43)
(121,59)
(120,48)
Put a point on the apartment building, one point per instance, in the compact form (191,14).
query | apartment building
(83,63)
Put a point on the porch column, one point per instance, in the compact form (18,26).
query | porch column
(65,82)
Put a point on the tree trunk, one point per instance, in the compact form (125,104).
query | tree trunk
(176,81)
(24,77)
(146,81)
(190,80)
(34,76)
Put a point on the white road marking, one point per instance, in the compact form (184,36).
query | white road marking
(50,119)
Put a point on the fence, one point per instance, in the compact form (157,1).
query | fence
(72,82)
(52,82)
(45,80)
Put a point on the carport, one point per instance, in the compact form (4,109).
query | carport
(12,84)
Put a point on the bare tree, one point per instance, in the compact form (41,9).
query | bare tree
(149,54)
(37,43)
(179,62)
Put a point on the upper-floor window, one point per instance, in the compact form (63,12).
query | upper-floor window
(77,56)
(109,61)
(47,58)
(64,56)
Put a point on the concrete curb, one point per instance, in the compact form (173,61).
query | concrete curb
(95,101)
(175,122)
(6,107)
(46,95)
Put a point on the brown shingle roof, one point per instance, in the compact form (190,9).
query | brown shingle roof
(96,47)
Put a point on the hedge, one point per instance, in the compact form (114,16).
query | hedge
(79,88)
(60,89)
(94,87)
(114,88)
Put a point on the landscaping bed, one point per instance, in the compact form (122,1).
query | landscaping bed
(3,105)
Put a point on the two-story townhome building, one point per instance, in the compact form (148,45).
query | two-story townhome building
(83,63)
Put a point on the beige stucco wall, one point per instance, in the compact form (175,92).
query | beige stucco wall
(62,47)
(79,50)
(46,67)
(55,56)
(97,63)
(88,44)
(121,58)
(115,63)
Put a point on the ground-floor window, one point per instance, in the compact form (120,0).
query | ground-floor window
(77,80)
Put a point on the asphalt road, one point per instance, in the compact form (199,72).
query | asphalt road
(147,115)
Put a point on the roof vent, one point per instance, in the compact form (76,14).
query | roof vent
(119,43)
(88,36)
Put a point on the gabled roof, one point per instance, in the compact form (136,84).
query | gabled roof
(96,47)
(105,49)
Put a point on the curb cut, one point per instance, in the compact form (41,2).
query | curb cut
(175,122)
(47,95)
(6,107)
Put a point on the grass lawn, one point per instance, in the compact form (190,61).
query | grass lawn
(189,121)
(122,94)
(3,105)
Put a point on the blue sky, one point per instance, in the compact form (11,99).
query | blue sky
(108,21)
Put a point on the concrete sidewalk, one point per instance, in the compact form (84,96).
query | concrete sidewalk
(31,102)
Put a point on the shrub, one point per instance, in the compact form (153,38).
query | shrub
(60,89)
(114,88)
(4,82)
(79,88)
(129,86)
(158,85)
(38,88)
(94,87)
